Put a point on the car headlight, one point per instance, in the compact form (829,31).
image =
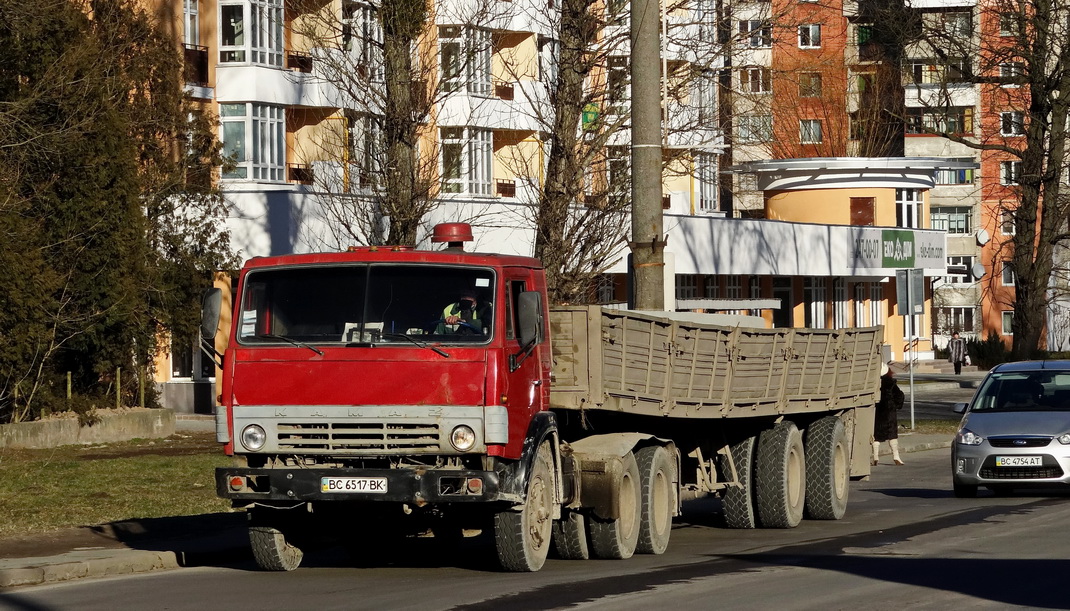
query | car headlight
(1064,439)
(253,437)
(463,438)
(967,437)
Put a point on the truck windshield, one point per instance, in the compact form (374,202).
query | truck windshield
(1024,391)
(367,304)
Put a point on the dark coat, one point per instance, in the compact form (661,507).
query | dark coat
(956,350)
(886,420)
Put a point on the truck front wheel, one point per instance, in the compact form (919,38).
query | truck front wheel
(657,480)
(615,539)
(780,481)
(522,538)
(272,549)
(827,469)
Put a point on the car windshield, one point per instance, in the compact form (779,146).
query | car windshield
(1024,391)
(367,304)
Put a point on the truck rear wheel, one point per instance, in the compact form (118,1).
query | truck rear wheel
(780,480)
(738,502)
(827,469)
(657,477)
(616,539)
(272,549)
(570,536)
(522,538)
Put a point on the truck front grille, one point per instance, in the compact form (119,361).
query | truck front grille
(358,437)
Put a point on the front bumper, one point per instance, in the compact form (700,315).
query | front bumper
(414,486)
(976,466)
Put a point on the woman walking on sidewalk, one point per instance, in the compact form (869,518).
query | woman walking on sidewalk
(886,419)
(956,352)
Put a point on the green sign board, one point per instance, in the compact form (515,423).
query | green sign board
(897,248)
(590,116)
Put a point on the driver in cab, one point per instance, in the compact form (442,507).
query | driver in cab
(466,315)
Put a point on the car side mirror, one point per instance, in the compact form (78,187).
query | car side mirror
(529,309)
(959,408)
(211,303)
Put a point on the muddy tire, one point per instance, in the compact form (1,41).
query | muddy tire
(780,480)
(272,549)
(738,503)
(522,538)
(828,469)
(570,536)
(657,484)
(616,539)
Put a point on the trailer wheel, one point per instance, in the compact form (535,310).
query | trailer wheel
(657,475)
(780,481)
(827,469)
(738,503)
(272,549)
(522,538)
(570,536)
(616,539)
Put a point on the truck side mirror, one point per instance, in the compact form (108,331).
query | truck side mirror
(529,307)
(211,303)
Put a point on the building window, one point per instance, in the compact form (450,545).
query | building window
(606,289)
(755,80)
(756,33)
(954,220)
(191,30)
(251,31)
(706,97)
(964,263)
(1010,24)
(930,71)
(549,54)
(810,85)
(839,298)
(1011,123)
(618,85)
(1007,273)
(364,142)
(755,128)
(686,286)
(1010,74)
(908,208)
(467,158)
(954,177)
(952,120)
(1010,172)
(876,302)
(706,181)
(1006,224)
(810,36)
(254,138)
(1008,322)
(465,56)
(810,131)
(860,305)
(814,296)
(862,211)
(958,24)
(362,38)
(954,319)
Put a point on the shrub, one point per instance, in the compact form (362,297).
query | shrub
(988,353)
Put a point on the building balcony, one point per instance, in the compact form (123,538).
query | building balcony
(299,173)
(301,62)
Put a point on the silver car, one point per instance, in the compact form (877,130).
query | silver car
(1016,431)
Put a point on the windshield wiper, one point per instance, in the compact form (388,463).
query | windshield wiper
(417,343)
(294,342)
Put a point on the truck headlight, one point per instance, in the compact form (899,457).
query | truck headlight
(253,437)
(463,438)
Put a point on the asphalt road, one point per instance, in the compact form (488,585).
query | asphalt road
(906,542)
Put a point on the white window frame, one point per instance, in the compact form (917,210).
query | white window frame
(363,39)
(756,33)
(549,54)
(261,37)
(908,208)
(810,131)
(474,148)
(1009,25)
(1012,123)
(263,141)
(815,299)
(958,24)
(755,79)
(861,311)
(1006,273)
(876,303)
(954,318)
(1009,73)
(191,24)
(954,177)
(810,36)
(955,220)
(1010,172)
(754,129)
(706,181)
(364,141)
(839,300)
(965,261)
(1006,222)
(1007,322)
(706,97)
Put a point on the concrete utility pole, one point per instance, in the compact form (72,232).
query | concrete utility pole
(648,244)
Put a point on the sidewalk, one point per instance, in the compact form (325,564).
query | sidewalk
(140,546)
